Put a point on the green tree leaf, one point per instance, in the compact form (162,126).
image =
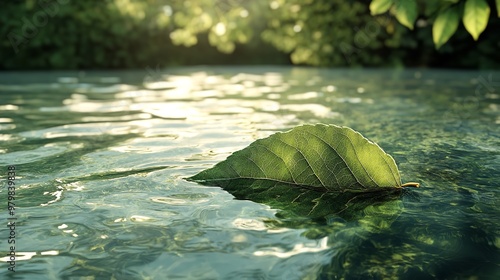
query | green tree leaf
(380,6)
(406,12)
(324,158)
(497,2)
(445,26)
(475,19)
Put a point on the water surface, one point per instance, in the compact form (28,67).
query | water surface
(101,158)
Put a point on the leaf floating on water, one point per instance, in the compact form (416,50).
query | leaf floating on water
(326,158)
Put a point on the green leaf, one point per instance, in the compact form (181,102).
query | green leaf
(380,6)
(445,26)
(475,19)
(324,158)
(406,12)
(497,2)
(431,7)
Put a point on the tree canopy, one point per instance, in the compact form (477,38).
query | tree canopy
(63,34)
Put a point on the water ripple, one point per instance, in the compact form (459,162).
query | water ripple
(101,160)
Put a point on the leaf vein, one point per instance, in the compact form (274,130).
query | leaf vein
(333,148)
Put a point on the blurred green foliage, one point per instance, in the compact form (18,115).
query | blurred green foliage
(447,13)
(343,33)
(99,34)
(96,34)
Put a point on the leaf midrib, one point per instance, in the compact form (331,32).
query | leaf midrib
(345,162)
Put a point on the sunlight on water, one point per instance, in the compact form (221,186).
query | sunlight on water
(101,159)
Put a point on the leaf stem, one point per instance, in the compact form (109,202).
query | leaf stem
(410,184)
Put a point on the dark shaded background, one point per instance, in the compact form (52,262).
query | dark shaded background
(124,34)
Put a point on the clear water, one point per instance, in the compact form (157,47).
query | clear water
(100,159)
